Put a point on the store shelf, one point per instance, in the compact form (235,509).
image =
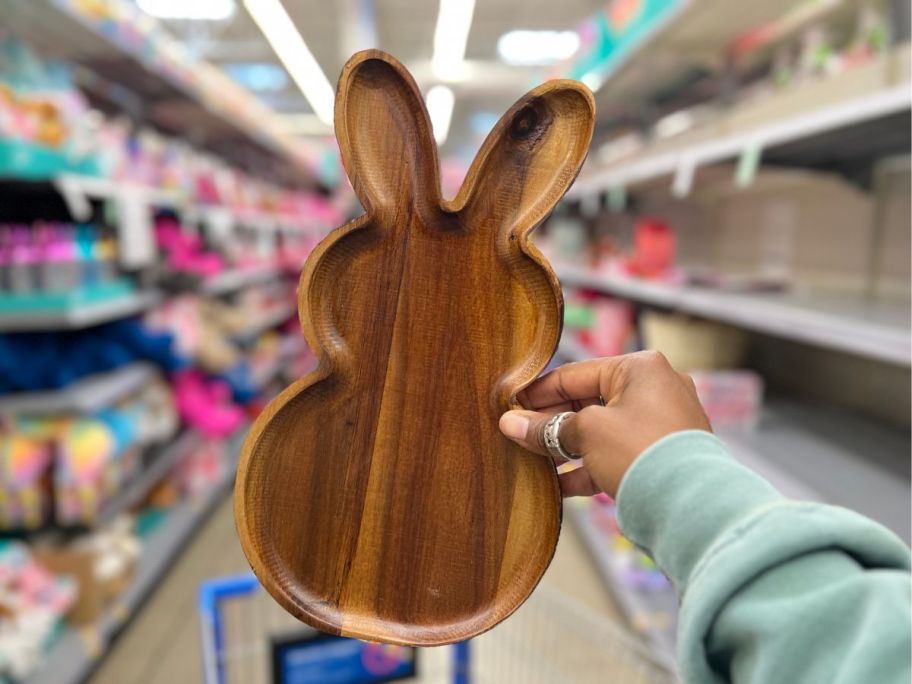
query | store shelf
(638,607)
(137,490)
(86,395)
(231,281)
(78,191)
(274,316)
(808,453)
(685,41)
(77,652)
(817,125)
(844,322)
(156,74)
(80,316)
(819,453)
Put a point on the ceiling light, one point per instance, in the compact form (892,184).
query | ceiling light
(291,49)
(537,48)
(200,10)
(440,100)
(454,21)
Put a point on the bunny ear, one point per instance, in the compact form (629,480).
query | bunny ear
(384,134)
(530,158)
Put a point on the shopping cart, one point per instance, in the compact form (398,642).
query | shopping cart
(249,639)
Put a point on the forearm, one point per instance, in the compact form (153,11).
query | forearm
(758,574)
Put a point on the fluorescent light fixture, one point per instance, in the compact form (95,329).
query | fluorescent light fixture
(440,101)
(537,48)
(294,54)
(199,10)
(454,21)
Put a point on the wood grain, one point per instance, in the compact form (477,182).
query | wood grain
(376,497)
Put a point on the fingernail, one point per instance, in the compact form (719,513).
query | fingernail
(514,425)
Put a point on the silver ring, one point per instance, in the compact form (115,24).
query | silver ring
(551,437)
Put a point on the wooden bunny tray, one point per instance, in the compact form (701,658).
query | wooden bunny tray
(376,497)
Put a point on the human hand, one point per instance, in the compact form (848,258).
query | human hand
(644,400)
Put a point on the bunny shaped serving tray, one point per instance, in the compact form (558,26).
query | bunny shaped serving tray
(376,497)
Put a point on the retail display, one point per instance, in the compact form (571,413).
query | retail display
(169,190)
(423,524)
(101,220)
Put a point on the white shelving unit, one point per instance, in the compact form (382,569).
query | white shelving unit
(136,490)
(77,651)
(77,191)
(717,148)
(816,453)
(86,395)
(275,315)
(848,323)
(80,315)
(639,608)
(155,66)
(230,281)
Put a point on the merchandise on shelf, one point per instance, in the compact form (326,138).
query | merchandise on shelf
(79,462)
(33,602)
(732,399)
(56,257)
(636,571)
(654,244)
(25,491)
(693,344)
(206,404)
(185,253)
(203,468)
(35,361)
(45,124)
(102,564)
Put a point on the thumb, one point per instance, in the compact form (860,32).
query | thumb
(527,428)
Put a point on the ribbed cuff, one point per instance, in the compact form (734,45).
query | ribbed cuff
(681,495)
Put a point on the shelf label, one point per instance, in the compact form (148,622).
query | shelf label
(219,225)
(617,198)
(77,203)
(134,226)
(748,163)
(684,175)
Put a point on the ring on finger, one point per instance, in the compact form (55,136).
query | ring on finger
(551,437)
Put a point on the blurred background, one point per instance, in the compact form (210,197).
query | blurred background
(166,166)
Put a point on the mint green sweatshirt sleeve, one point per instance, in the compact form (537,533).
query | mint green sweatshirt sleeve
(771,590)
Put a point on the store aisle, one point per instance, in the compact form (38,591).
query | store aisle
(162,645)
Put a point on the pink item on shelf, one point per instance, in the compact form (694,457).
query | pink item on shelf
(185,252)
(202,468)
(731,399)
(612,329)
(654,245)
(205,404)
